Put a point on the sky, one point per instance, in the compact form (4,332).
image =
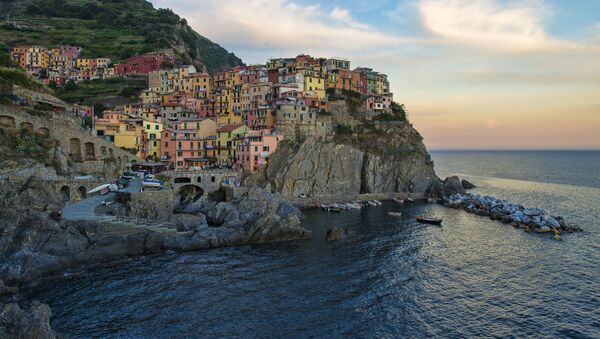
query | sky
(473,74)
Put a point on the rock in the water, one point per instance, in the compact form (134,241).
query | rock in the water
(453,185)
(336,233)
(557,237)
(33,322)
(467,185)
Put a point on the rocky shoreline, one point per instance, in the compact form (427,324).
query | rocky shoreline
(537,220)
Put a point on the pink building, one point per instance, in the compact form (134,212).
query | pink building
(72,52)
(190,144)
(378,104)
(255,149)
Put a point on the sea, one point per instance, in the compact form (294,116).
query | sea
(390,278)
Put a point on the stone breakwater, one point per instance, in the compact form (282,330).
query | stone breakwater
(536,220)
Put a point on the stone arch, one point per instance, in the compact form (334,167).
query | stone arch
(7,121)
(183,180)
(82,192)
(26,127)
(65,193)
(75,149)
(90,151)
(43,132)
(189,193)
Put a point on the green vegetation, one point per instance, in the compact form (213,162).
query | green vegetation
(343,129)
(17,76)
(97,92)
(25,144)
(117,29)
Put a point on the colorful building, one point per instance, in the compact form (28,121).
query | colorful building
(255,149)
(228,137)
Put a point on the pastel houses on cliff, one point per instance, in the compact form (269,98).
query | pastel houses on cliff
(190,119)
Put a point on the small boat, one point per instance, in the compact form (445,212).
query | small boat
(410,200)
(152,183)
(99,189)
(395,214)
(377,202)
(429,220)
(130,175)
(398,200)
(372,203)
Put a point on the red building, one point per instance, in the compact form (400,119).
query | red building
(143,64)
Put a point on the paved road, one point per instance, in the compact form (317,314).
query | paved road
(84,210)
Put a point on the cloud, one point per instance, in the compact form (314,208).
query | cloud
(490,24)
(280,25)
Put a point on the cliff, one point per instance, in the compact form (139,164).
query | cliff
(379,155)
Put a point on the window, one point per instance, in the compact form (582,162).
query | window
(156,127)
(212,178)
(265,148)
(255,148)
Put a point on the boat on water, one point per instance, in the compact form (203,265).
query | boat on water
(410,200)
(152,183)
(398,200)
(377,202)
(371,203)
(130,175)
(429,220)
(395,214)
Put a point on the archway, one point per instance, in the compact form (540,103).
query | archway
(90,152)
(75,149)
(183,180)
(189,194)
(26,127)
(43,132)
(7,121)
(82,192)
(65,193)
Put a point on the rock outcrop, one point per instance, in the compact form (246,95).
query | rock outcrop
(318,167)
(33,244)
(32,322)
(468,185)
(453,185)
(530,219)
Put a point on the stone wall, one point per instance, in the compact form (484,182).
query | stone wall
(150,205)
(89,154)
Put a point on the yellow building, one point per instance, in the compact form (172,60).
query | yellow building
(153,131)
(83,63)
(129,136)
(316,85)
(227,138)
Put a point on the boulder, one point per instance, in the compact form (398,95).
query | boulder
(453,185)
(7,290)
(467,185)
(189,222)
(32,322)
(336,233)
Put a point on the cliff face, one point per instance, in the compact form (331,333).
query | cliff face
(380,155)
(395,161)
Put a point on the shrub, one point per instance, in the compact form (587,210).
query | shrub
(343,129)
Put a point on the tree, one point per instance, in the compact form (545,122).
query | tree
(71,86)
(98,109)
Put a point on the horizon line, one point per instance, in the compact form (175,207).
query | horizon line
(513,149)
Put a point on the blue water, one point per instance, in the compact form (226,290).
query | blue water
(473,277)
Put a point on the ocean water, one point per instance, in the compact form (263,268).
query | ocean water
(391,277)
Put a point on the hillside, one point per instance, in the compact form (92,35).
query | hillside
(116,29)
